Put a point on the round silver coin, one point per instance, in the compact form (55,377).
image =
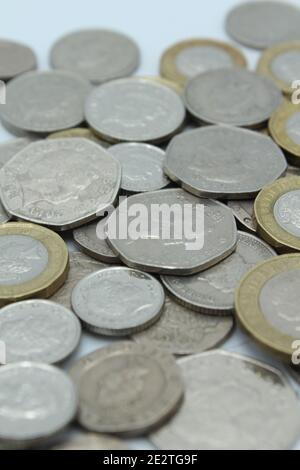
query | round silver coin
(134,110)
(86,237)
(231,96)
(285,66)
(246,161)
(11,148)
(96,54)
(182,332)
(286,212)
(127,389)
(15,59)
(44,102)
(142,167)
(60,183)
(264,23)
(244,213)
(206,421)
(161,244)
(38,331)
(36,402)
(91,441)
(118,301)
(212,291)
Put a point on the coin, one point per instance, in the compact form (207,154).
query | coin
(191,57)
(44,102)
(264,23)
(181,331)
(142,167)
(206,421)
(118,301)
(86,237)
(244,213)
(292,171)
(267,304)
(277,214)
(164,81)
(11,148)
(4,217)
(34,185)
(127,389)
(81,132)
(36,402)
(38,331)
(91,442)
(15,59)
(295,372)
(231,96)
(134,110)
(34,262)
(97,55)
(159,247)
(246,162)
(212,291)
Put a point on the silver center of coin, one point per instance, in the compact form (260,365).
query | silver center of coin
(286,66)
(287,212)
(199,59)
(292,127)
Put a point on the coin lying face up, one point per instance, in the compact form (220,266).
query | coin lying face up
(34,185)
(206,421)
(87,238)
(246,162)
(118,301)
(81,132)
(15,59)
(244,213)
(127,389)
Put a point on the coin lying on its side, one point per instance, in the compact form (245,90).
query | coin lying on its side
(244,213)
(86,237)
(81,132)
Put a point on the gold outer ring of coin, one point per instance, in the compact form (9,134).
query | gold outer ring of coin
(266,59)
(268,228)
(52,278)
(248,310)
(82,132)
(168,67)
(277,128)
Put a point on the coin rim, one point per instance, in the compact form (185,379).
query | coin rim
(279,134)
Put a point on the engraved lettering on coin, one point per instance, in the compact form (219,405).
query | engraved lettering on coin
(287,212)
(198,59)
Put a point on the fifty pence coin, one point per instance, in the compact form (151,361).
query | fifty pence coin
(91,441)
(38,331)
(15,59)
(142,167)
(118,301)
(244,213)
(212,291)
(134,110)
(127,389)
(90,242)
(97,55)
(81,132)
(231,96)
(206,421)
(34,185)
(34,262)
(246,162)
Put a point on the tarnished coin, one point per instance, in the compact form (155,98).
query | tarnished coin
(277,214)
(38,331)
(91,441)
(90,243)
(11,148)
(206,421)
(127,388)
(134,110)
(142,167)
(81,132)
(60,183)
(162,246)
(188,58)
(15,59)
(34,262)
(264,23)
(44,102)
(246,161)
(36,402)
(244,213)
(231,96)
(181,331)
(267,304)
(98,55)
(212,291)
(118,301)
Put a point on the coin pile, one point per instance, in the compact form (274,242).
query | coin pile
(207,132)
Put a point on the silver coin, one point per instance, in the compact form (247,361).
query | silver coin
(15,59)
(212,291)
(4,217)
(134,110)
(96,54)
(292,127)
(244,212)
(118,301)
(295,373)
(60,183)
(142,167)
(182,332)
(231,96)
(208,421)
(286,212)
(36,402)
(91,441)
(264,23)
(38,331)
(224,162)
(44,102)
(86,237)
(160,248)
(285,66)
(11,148)
(127,389)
